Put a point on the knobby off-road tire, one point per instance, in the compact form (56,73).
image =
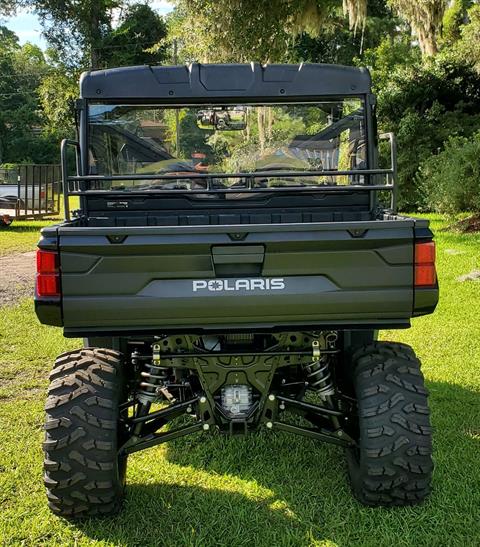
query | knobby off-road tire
(392,465)
(83,475)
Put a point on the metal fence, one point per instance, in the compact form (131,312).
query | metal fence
(30,191)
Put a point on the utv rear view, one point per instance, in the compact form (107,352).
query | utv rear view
(236,251)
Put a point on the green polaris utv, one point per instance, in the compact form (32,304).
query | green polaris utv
(235,252)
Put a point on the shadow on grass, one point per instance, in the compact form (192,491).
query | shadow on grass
(276,489)
(177,515)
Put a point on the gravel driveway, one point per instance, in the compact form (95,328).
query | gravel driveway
(17,274)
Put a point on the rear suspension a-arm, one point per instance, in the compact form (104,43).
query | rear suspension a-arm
(334,436)
(148,424)
(134,444)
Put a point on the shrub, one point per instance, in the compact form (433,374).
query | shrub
(425,104)
(450,180)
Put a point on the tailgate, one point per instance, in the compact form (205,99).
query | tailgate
(191,277)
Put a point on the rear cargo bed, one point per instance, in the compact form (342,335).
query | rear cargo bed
(212,277)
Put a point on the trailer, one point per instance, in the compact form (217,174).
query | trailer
(29,191)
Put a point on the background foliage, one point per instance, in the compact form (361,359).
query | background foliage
(440,174)
(424,56)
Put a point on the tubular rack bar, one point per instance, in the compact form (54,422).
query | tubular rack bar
(200,191)
(248,188)
(247,175)
(82,181)
(65,178)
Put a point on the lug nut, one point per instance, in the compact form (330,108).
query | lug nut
(206,427)
(269,425)
(271,397)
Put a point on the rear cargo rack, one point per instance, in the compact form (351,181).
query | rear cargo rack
(82,185)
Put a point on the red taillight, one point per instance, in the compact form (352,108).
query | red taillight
(48,275)
(48,285)
(425,274)
(47,262)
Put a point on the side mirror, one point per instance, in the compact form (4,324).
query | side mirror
(229,118)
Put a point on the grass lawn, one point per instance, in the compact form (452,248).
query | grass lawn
(22,235)
(266,489)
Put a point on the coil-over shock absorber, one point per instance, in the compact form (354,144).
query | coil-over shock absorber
(153,378)
(152,385)
(318,371)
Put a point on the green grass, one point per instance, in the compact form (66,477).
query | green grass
(22,235)
(266,489)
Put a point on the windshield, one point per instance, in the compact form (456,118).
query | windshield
(184,141)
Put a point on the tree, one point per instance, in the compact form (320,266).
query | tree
(467,47)
(425,103)
(76,28)
(139,39)
(21,117)
(335,43)
(83,34)
(391,55)
(8,46)
(58,91)
(8,7)
(262,30)
(425,18)
(456,15)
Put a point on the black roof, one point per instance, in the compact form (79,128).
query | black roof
(223,82)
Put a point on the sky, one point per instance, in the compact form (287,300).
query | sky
(28,29)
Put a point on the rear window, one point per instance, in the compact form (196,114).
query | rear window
(184,141)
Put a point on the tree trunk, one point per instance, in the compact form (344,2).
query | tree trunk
(261,128)
(427,42)
(95,31)
(269,122)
